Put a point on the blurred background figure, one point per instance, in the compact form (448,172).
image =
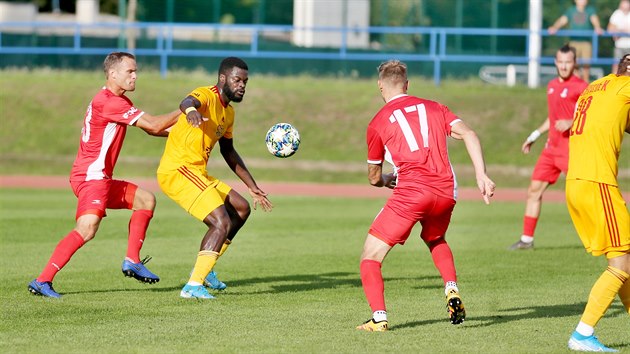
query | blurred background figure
(580,17)
(620,23)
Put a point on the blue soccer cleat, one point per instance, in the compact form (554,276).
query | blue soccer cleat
(139,271)
(587,344)
(213,282)
(195,292)
(43,288)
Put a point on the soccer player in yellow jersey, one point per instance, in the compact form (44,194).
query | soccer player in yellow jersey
(595,203)
(208,118)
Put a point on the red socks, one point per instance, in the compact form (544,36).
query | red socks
(61,255)
(443,260)
(372,280)
(138,225)
(529,225)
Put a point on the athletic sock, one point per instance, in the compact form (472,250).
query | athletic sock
(204,264)
(529,226)
(138,225)
(602,295)
(225,246)
(379,316)
(373,286)
(443,260)
(450,285)
(527,239)
(624,295)
(61,255)
(584,329)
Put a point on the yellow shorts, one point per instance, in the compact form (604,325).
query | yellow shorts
(195,191)
(600,217)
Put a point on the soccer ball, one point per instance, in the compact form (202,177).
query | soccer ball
(282,140)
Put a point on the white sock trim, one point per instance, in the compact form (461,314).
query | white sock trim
(379,316)
(527,239)
(450,285)
(584,329)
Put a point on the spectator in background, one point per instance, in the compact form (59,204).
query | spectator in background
(620,23)
(580,17)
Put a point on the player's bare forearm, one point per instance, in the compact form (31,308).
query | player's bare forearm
(375,175)
(562,125)
(157,125)
(484,183)
(189,106)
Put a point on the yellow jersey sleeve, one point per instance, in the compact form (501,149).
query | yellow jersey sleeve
(191,146)
(599,123)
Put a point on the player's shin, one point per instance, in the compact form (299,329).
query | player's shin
(624,295)
(373,286)
(61,255)
(204,264)
(138,225)
(602,294)
(224,248)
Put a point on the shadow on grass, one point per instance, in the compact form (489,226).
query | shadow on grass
(522,313)
(280,284)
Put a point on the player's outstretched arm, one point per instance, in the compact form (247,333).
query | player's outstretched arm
(157,125)
(485,184)
(189,106)
(236,164)
(527,145)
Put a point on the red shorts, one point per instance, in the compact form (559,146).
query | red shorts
(98,195)
(404,209)
(549,166)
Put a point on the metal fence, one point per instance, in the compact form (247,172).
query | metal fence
(168,41)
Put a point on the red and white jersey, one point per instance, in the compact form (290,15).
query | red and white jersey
(413,131)
(102,136)
(561,99)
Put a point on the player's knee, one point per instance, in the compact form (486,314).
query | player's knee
(222,224)
(245,211)
(144,200)
(435,242)
(87,231)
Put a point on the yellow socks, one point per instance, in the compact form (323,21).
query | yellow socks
(603,293)
(224,247)
(624,294)
(205,262)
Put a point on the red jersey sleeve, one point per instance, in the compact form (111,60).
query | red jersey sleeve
(120,109)
(449,118)
(376,148)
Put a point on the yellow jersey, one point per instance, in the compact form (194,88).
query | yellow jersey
(599,123)
(191,146)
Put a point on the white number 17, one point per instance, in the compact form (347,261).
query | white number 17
(401,118)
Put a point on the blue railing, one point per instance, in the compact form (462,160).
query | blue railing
(164,37)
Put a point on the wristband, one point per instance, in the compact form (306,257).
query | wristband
(190,109)
(533,136)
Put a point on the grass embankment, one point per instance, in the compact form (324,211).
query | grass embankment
(42,114)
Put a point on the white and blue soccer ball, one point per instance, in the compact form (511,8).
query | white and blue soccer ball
(283,140)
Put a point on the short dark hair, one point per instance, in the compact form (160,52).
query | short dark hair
(115,58)
(567,48)
(393,71)
(230,62)
(624,62)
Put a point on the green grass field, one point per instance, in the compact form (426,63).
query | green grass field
(294,283)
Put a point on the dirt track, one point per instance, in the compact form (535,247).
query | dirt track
(283,188)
